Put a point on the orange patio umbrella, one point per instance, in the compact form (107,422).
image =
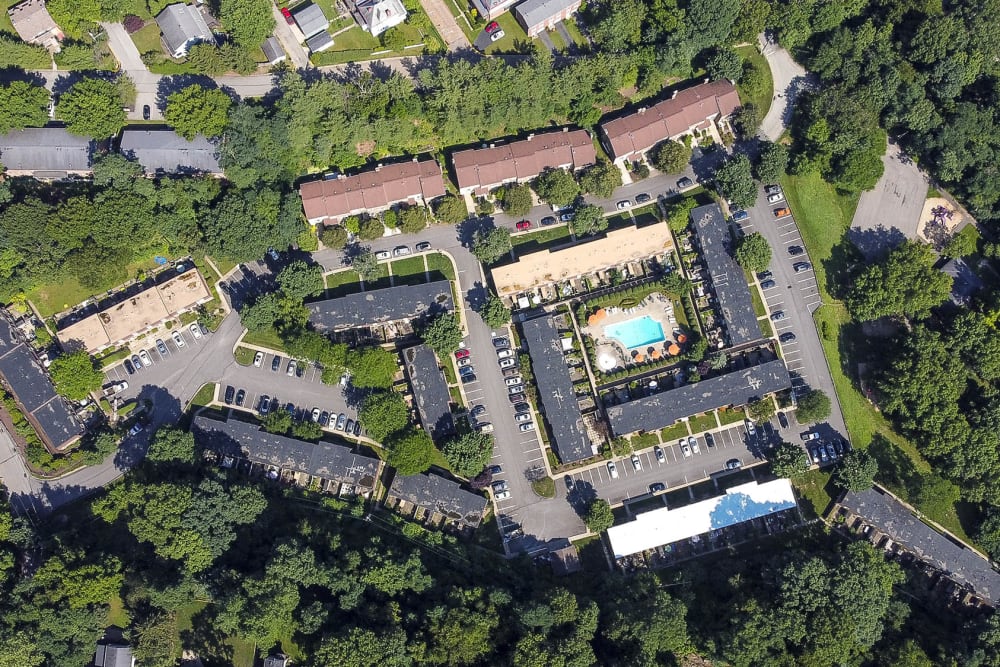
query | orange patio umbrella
(681,338)
(655,354)
(674,349)
(640,357)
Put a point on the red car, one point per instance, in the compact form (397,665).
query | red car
(492,26)
(462,354)
(288,16)
(524,224)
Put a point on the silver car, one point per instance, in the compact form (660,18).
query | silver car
(693,443)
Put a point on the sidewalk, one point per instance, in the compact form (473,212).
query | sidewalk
(446,24)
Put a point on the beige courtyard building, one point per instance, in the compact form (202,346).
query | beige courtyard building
(615,248)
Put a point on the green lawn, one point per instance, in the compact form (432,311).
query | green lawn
(409,271)
(148,39)
(355,38)
(766,328)
(758,303)
(674,432)
(557,40)
(544,487)
(540,240)
(761,98)
(343,283)
(5,24)
(812,487)
(703,423)
(512,33)
(574,31)
(437,262)
(644,441)
(117,614)
(205,394)
(727,417)
(268,338)
(243,355)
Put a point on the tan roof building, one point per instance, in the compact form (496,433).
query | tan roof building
(116,323)
(688,111)
(415,182)
(481,169)
(614,248)
(35,25)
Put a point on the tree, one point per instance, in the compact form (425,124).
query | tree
(393,39)
(249,22)
(371,229)
(92,108)
(334,236)
(679,214)
(117,171)
(761,410)
(961,244)
(491,245)
(813,407)
(170,445)
(413,219)
(410,451)
(599,516)
(670,156)
(198,110)
(361,647)
(156,640)
(300,280)
(22,105)
(75,375)
(307,429)
(856,471)
(372,367)
(557,186)
(366,265)
(735,182)
(469,453)
(620,25)
(515,199)
(246,222)
(904,283)
(494,312)
(601,179)
(442,334)
(753,253)
(724,63)
(788,460)
(278,421)
(383,413)
(746,120)
(772,163)
(451,209)
(588,219)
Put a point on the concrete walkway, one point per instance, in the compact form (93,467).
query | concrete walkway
(446,24)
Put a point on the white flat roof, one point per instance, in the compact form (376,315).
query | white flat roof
(666,526)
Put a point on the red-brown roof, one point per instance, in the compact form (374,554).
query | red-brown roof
(647,127)
(522,160)
(372,190)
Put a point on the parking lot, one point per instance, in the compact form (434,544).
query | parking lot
(159,361)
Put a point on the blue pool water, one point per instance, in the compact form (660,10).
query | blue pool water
(636,333)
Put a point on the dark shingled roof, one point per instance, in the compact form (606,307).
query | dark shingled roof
(665,408)
(380,306)
(325,459)
(437,494)
(166,152)
(113,655)
(33,391)
(430,391)
(555,389)
(45,149)
(958,562)
(310,19)
(728,279)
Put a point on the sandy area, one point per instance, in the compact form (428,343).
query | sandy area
(934,232)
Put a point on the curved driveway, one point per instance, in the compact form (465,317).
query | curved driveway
(790,79)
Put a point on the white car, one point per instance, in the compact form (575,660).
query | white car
(685,449)
(635,463)
(527,427)
(775,198)
(522,417)
(499,34)
(507,363)
(660,456)
(505,354)
(694,445)
(290,371)
(612,470)
(503,495)
(751,429)
(513,382)
(178,339)
(383,254)
(195,331)
(258,359)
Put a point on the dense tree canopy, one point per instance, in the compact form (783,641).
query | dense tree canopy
(300,280)
(468,453)
(75,375)
(92,108)
(735,182)
(491,245)
(22,105)
(557,186)
(249,22)
(442,334)
(753,252)
(904,283)
(198,110)
(383,413)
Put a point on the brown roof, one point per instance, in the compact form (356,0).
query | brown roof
(521,160)
(386,185)
(647,127)
(33,22)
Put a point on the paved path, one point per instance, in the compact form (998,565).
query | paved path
(290,40)
(790,79)
(446,24)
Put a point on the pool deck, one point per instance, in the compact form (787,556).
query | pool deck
(655,306)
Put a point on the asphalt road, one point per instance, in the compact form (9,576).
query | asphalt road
(797,295)
(790,79)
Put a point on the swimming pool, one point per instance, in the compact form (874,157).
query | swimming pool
(636,333)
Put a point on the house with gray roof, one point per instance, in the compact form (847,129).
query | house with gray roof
(560,407)
(377,16)
(381,306)
(161,151)
(237,439)
(438,496)
(665,408)
(32,389)
(538,15)
(46,153)
(181,27)
(311,20)
(273,51)
(319,42)
(113,654)
(430,391)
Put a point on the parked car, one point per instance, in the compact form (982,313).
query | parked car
(751,429)
(642,198)
(513,381)
(128,366)
(693,443)
(778,315)
(612,470)
(462,354)
(275,364)
(288,16)
(783,420)
(357,429)
(499,485)
(503,495)
(524,428)
(740,216)
(787,337)
(807,436)
(241,396)
(466,370)
(623,204)
(146,112)
(341,421)
(775,198)
(565,217)
(516,398)
(478,410)
(136,362)
(510,372)
(264,405)
(161,347)
(505,354)
(349,428)
(522,417)
(507,363)
(781,212)
(290,369)
(467,379)
(258,359)
(273,254)
(501,342)
(401,251)
(516,389)
(814,455)
(423,246)
(495,36)
(710,440)
(316,414)
(523,225)
(146,361)
(333,420)
(178,339)
(660,456)
(465,362)
(838,445)
(801,267)
(684,183)
(656,487)
(548,220)
(794,250)
(383,254)
(764,275)
(230,395)
(733,464)
(685,449)
(495,470)
(636,463)
(772,189)
(493,26)
(136,429)
(767,284)
(823,456)
(195,331)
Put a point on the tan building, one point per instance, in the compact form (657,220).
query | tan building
(35,25)
(613,249)
(480,170)
(413,182)
(124,319)
(690,111)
